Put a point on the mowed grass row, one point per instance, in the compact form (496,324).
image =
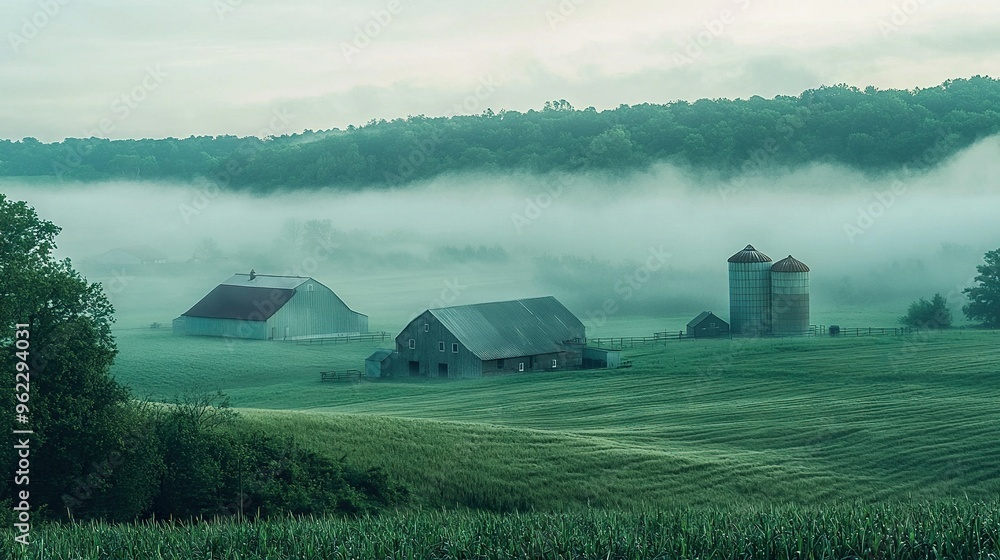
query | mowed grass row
(692,422)
(965,530)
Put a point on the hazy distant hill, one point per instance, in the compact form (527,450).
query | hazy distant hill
(870,130)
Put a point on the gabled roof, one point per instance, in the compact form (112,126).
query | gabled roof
(693,323)
(509,329)
(379,355)
(239,297)
(241,302)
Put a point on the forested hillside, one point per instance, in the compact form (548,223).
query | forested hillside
(870,130)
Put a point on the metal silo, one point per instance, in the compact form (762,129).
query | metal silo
(749,293)
(789,298)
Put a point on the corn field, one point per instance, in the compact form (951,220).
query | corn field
(903,531)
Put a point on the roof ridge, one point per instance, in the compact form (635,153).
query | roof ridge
(518,300)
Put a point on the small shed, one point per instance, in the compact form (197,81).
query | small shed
(379,364)
(598,358)
(707,325)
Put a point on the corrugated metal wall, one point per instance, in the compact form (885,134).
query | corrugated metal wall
(315,312)
(790,303)
(750,298)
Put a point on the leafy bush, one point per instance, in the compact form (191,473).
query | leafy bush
(933,314)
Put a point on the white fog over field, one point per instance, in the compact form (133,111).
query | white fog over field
(655,243)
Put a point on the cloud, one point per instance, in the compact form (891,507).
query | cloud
(231,63)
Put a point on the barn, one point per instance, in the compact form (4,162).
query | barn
(266,307)
(707,325)
(537,334)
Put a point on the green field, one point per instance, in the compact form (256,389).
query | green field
(807,421)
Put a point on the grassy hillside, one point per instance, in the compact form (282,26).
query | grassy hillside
(693,422)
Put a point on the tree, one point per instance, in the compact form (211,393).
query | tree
(933,314)
(984,299)
(80,416)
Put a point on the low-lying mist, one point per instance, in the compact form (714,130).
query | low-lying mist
(654,243)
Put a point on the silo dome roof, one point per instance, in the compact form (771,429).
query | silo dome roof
(789,264)
(749,255)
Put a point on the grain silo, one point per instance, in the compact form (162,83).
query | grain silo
(789,298)
(749,293)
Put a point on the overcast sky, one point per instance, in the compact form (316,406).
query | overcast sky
(119,69)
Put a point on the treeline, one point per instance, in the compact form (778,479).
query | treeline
(871,130)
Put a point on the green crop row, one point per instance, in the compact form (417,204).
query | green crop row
(844,530)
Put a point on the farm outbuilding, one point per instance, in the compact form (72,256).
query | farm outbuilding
(707,325)
(265,307)
(380,363)
(600,358)
(537,334)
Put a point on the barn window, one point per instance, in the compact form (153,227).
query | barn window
(441,346)
(427,328)
(499,364)
(454,348)
(413,344)
(520,366)
(309,287)
(555,363)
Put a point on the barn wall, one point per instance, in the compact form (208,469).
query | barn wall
(313,313)
(234,328)
(427,332)
(569,359)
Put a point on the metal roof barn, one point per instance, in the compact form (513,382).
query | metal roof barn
(265,307)
(707,325)
(534,334)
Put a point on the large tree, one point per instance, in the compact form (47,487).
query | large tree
(85,439)
(984,298)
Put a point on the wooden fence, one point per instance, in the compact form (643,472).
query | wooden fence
(342,375)
(370,337)
(667,336)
